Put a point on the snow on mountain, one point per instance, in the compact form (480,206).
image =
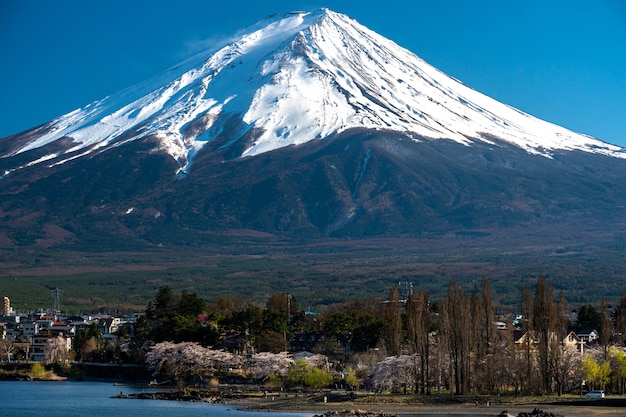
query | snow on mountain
(294,78)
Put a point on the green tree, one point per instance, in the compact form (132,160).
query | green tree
(318,378)
(297,371)
(88,343)
(367,333)
(595,373)
(274,320)
(618,359)
(246,322)
(351,378)
(165,303)
(588,317)
(356,325)
(189,304)
(339,324)
(177,318)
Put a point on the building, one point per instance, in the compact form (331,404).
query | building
(572,340)
(5,307)
(27,330)
(588,335)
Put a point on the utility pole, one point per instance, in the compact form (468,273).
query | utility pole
(288,319)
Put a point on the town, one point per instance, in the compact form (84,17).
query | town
(49,335)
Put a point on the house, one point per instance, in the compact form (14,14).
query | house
(307,341)
(62,329)
(525,340)
(588,335)
(109,325)
(45,321)
(574,341)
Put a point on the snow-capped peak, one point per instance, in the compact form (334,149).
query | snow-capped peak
(294,78)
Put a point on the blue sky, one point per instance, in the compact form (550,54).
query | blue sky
(561,61)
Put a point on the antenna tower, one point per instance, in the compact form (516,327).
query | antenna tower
(56,293)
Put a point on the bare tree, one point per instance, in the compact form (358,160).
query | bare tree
(546,323)
(8,348)
(484,335)
(418,328)
(527,327)
(605,328)
(394,322)
(620,319)
(566,366)
(456,325)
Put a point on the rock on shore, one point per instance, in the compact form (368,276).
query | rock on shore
(535,413)
(354,413)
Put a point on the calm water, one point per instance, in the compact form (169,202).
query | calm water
(80,399)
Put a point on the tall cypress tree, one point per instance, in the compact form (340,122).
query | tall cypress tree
(457,317)
(394,322)
(546,326)
(418,327)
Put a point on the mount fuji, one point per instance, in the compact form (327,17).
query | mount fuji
(304,124)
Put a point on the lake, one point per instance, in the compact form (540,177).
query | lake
(80,399)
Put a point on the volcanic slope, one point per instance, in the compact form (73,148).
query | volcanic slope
(306,125)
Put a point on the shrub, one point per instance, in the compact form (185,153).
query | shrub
(37,371)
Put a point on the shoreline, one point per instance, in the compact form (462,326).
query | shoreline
(440,408)
(403,405)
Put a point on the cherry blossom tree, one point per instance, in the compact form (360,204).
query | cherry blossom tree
(186,360)
(396,373)
(318,361)
(56,350)
(265,363)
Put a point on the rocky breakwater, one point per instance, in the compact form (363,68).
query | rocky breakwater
(191,396)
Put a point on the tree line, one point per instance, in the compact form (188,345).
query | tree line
(450,344)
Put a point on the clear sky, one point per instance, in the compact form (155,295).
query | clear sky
(563,61)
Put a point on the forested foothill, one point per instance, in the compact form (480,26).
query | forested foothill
(406,342)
